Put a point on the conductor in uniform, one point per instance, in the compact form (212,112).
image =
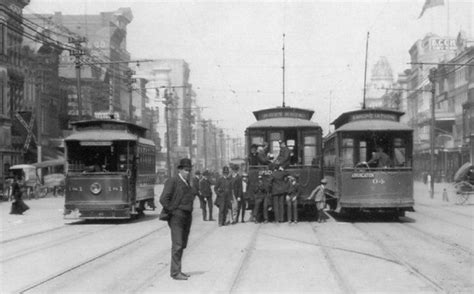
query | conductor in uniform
(177,198)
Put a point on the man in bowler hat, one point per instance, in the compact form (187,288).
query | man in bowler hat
(223,189)
(206,194)
(177,198)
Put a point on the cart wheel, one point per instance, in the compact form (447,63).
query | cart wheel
(462,198)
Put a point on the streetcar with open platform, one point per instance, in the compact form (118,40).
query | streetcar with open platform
(110,170)
(302,136)
(358,180)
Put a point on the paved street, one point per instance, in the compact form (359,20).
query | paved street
(429,250)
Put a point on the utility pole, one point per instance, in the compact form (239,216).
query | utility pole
(432,78)
(204,126)
(129,73)
(167,102)
(365,69)
(78,52)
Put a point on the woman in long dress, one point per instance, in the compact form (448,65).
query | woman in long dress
(18,205)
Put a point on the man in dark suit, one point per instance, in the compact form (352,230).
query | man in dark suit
(177,198)
(253,156)
(223,189)
(238,195)
(206,194)
(202,201)
(284,156)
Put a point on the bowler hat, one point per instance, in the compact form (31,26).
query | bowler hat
(234,167)
(185,162)
(197,172)
(205,173)
(324,181)
(245,175)
(225,170)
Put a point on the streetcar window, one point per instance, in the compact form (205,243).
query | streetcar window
(274,144)
(362,151)
(309,150)
(257,140)
(399,152)
(347,152)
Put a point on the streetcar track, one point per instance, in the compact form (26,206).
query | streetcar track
(85,262)
(145,284)
(436,238)
(33,234)
(445,209)
(249,249)
(53,244)
(412,269)
(444,220)
(342,283)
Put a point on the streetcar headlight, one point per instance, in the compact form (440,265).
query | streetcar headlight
(96,188)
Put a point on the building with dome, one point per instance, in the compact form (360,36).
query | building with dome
(381,80)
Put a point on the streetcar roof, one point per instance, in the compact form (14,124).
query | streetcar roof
(283,122)
(371,125)
(95,135)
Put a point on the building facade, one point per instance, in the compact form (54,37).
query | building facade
(12,79)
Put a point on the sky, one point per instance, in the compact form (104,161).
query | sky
(234,48)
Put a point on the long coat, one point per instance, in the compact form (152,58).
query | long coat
(279,184)
(237,190)
(223,189)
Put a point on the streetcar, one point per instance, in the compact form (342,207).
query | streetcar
(368,163)
(302,136)
(110,170)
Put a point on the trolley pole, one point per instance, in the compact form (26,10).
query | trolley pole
(432,78)
(78,52)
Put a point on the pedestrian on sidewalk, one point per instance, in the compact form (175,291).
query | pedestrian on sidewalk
(445,195)
(206,193)
(18,205)
(202,201)
(223,189)
(237,194)
(320,199)
(177,198)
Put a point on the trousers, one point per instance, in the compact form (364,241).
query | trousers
(279,207)
(292,209)
(180,226)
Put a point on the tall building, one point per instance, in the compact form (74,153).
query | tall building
(12,78)
(431,49)
(104,86)
(169,82)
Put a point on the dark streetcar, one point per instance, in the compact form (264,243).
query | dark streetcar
(368,162)
(110,170)
(302,137)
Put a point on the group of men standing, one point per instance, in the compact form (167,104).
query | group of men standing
(230,192)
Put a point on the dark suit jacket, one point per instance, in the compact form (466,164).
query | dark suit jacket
(279,184)
(284,157)
(195,185)
(223,189)
(205,188)
(237,187)
(177,195)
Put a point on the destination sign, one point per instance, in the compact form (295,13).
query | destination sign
(373,115)
(362,175)
(284,112)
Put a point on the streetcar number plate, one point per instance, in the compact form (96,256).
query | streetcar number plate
(362,175)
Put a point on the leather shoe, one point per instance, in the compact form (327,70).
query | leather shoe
(180,277)
(186,275)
